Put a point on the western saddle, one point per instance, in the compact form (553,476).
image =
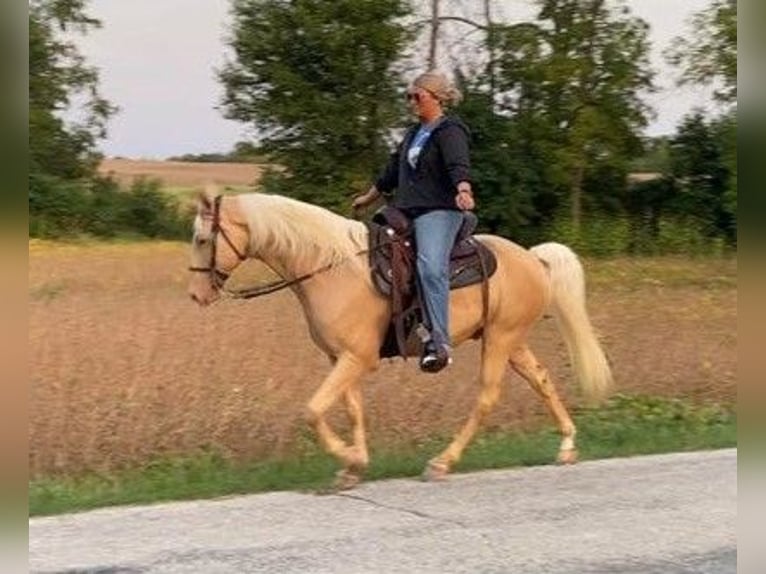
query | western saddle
(393,269)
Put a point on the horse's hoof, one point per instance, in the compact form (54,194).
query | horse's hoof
(567,456)
(346,480)
(435,471)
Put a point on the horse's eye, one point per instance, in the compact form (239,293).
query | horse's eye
(201,241)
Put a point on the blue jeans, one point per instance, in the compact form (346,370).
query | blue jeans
(435,234)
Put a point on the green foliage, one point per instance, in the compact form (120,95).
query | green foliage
(55,206)
(610,236)
(243,152)
(654,159)
(553,147)
(505,179)
(725,132)
(556,140)
(619,423)
(210,157)
(60,209)
(692,207)
(150,212)
(614,235)
(703,165)
(560,132)
(684,235)
(598,236)
(574,80)
(317,79)
(709,54)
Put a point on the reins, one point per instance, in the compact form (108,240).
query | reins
(251,292)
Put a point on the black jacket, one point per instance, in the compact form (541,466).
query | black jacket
(442,164)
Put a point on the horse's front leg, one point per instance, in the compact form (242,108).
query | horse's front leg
(344,379)
(357,456)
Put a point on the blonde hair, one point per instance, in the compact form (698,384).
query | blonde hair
(440,86)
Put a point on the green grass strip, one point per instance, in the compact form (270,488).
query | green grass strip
(626,425)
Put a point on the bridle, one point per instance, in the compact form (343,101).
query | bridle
(217,276)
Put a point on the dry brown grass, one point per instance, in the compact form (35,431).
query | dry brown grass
(182,174)
(124,367)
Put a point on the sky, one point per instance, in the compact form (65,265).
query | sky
(157,62)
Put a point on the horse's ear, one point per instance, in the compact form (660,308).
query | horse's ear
(206,199)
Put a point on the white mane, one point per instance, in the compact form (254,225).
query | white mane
(291,229)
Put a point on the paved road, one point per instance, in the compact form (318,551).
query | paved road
(664,514)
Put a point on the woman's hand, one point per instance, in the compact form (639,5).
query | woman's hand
(464,199)
(364,199)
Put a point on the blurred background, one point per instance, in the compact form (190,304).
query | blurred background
(598,112)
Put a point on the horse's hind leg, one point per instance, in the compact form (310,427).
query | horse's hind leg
(342,380)
(526,364)
(493,365)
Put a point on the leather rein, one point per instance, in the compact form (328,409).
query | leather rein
(219,277)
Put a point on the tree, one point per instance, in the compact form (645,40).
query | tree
(57,74)
(577,75)
(726,133)
(710,53)
(317,79)
(702,171)
(495,182)
(510,166)
(710,56)
(656,156)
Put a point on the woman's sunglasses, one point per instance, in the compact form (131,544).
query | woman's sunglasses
(418,96)
(413,97)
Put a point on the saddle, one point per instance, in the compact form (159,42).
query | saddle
(393,271)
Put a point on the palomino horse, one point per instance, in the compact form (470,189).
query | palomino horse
(320,254)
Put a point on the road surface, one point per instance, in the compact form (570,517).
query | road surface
(664,514)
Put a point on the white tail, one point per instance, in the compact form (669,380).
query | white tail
(568,306)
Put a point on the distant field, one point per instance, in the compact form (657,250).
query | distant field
(177,174)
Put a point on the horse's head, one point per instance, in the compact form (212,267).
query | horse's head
(219,245)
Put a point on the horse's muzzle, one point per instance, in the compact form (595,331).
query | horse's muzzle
(201,300)
(196,299)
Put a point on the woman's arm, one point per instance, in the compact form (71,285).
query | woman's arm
(453,141)
(389,179)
